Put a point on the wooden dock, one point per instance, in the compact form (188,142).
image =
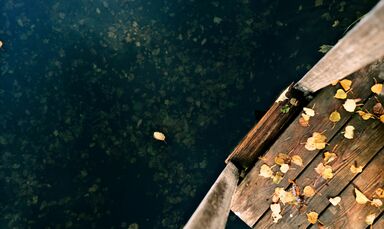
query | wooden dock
(254,195)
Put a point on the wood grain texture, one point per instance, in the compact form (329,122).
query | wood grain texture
(252,197)
(368,141)
(350,214)
(266,130)
(379,224)
(359,47)
(213,210)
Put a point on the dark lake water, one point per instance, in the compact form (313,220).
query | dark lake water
(85,83)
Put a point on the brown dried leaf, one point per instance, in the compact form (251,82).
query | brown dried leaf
(378,109)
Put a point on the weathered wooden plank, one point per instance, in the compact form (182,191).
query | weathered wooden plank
(350,214)
(252,197)
(359,47)
(268,128)
(368,141)
(213,210)
(379,224)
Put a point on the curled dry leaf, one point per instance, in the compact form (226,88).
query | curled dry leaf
(349,132)
(335,201)
(346,84)
(365,115)
(350,105)
(308,111)
(312,217)
(377,88)
(158,136)
(329,157)
(360,197)
(276,209)
(284,168)
(335,116)
(340,94)
(308,191)
(377,203)
(378,109)
(355,169)
(317,141)
(379,193)
(296,159)
(370,218)
(266,171)
(324,171)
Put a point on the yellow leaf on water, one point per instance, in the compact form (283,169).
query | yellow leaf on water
(312,217)
(340,94)
(335,201)
(370,218)
(334,116)
(349,132)
(324,171)
(360,197)
(284,168)
(377,88)
(349,105)
(377,203)
(355,169)
(158,136)
(329,157)
(346,84)
(308,191)
(266,171)
(365,115)
(296,159)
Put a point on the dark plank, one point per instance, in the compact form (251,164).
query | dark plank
(379,224)
(368,141)
(252,197)
(350,214)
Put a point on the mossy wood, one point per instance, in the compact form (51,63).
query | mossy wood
(252,198)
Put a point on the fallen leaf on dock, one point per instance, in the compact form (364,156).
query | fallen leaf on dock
(329,157)
(308,191)
(335,201)
(324,171)
(376,203)
(382,118)
(312,217)
(282,158)
(378,109)
(380,193)
(365,115)
(350,105)
(266,171)
(360,197)
(334,116)
(349,132)
(284,168)
(317,141)
(276,209)
(370,218)
(308,111)
(158,136)
(377,88)
(340,94)
(346,84)
(355,169)
(277,178)
(296,159)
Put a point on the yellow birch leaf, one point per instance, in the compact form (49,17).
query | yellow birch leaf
(377,88)
(349,105)
(305,117)
(158,136)
(329,157)
(334,116)
(365,115)
(265,171)
(349,132)
(312,217)
(370,218)
(308,111)
(382,118)
(360,197)
(281,158)
(376,203)
(308,191)
(277,178)
(296,159)
(340,94)
(317,141)
(346,84)
(335,201)
(335,82)
(355,169)
(284,168)
(379,193)
(324,171)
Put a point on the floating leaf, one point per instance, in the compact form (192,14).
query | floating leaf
(346,84)
(365,115)
(266,171)
(308,111)
(349,132)
(276,209)
(312,217)
(360,197)
(334,116)
(355,169)
(159,136)
(340,94)
(379,193)
(377,203)
(308,191)
(349,105)
(377,88)
(284,168)
(329,157)
(324,171)
(370,218)
(317,141)
(335,201)
(296,159)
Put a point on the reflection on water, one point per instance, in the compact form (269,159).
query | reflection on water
(85,83)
